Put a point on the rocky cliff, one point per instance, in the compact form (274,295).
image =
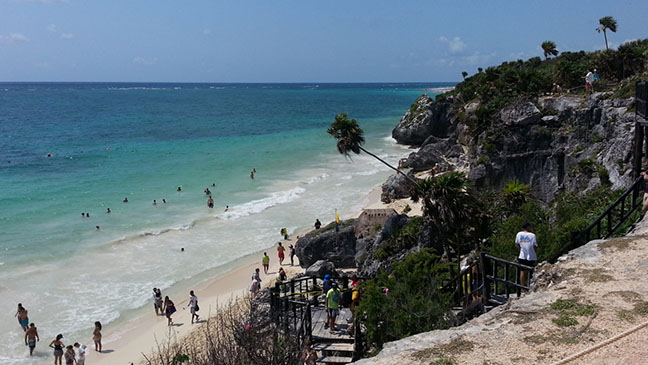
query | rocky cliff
(553,143)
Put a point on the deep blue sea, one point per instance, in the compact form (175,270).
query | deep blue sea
(73,148)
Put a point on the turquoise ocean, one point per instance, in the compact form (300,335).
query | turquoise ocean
(73,148)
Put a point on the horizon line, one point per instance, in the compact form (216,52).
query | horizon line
(229,82)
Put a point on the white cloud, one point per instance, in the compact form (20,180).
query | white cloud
(207,31)
(144,61)
(13,38)
(67,35)
(455,44)
(52,28)
(477,58)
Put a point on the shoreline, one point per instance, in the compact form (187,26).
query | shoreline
(139,332)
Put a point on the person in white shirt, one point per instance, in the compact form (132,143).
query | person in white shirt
(193,306)
(80,353)
(525,240)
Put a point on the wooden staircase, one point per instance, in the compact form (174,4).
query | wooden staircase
(332,348)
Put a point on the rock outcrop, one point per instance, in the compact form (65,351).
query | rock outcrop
(553,143)
(321,268)
(326,244)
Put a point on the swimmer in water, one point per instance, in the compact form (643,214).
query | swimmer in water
(210,202)
(182,249)
(108,211)
(154,202)
(179,188)
(97,227)
(87,215)
(252,174)
(207,191)
(226,208)
(214,185)
(83,215)
(125,200)
(163,201)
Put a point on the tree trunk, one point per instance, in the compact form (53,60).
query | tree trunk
(390,166)
(605,35)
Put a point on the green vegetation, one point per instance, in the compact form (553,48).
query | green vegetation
(501,85)
(607,23)
(567,309)
(565,320)
(414,304)
(400,240)
(549,49)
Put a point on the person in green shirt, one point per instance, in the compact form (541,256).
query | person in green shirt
(266,263)
(333,305)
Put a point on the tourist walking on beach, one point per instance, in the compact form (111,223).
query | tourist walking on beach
(526,242)
(31,336)
(169,309)
(281,275)
(23,319)
(96,336)
(58,346)
(266,263)
(280,251)
(333,305)
(193,306)
(256,275)
(157,301)
(255,287)
(292,255)
(80,353)
(70,357)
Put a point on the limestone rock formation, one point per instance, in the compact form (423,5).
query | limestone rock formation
(425,118)
(327,244)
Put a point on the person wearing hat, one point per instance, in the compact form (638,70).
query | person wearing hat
(525,240)
(333,297)
(326,286)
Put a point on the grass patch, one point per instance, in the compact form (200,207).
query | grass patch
(571,307)
(444,361)
(565,320)
(597,275)
(616,243)
(627,295)
(641,308)
(454,347)
(625,315)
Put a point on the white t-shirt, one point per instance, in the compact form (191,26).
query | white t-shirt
(193,300)
(527,242)
(81,351)
(589,77)
(255,286)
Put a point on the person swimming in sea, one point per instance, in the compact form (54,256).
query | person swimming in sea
(108,211)
(210,202)
(226,208)
(252,174)
(98,228)
(179,189)
(22,316)
(154,202)
(207,191)
(83,215)
(87,215)
(163,201)
(125,200)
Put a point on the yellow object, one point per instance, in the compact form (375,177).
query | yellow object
(337,217)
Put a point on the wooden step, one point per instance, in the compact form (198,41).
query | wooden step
(338,347)
(335,360)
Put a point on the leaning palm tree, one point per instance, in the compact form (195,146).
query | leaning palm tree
(451,207)
(549,49)
(607,23)
(464,74)
(350,139)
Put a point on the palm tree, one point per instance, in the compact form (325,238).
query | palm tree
(350,139)
(464,74)
(451,207)
(549,49)
(607,23)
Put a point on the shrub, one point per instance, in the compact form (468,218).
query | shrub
(414,303)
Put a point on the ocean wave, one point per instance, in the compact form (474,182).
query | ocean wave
(140,88)
(258,206)
(315,179)
(440,89)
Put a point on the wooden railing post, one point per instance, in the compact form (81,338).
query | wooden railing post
(485,281)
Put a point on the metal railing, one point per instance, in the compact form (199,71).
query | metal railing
(503,278)
(608,222)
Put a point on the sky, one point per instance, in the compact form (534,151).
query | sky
(293,40)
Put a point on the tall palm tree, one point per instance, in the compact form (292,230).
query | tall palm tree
(549,49)
(451,207)
(464,74)
(350,139)
(607,23)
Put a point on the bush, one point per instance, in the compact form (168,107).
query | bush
(414,303)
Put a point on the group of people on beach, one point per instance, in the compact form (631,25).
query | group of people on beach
(265,261)
(166,307)
(74,354)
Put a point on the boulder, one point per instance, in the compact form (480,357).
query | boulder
(396,187)
(325,244)
(520,114)
(425,118)
(321,268)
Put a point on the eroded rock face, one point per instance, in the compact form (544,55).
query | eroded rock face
(555,144)
(424,119)
(325,244)
(321,268)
